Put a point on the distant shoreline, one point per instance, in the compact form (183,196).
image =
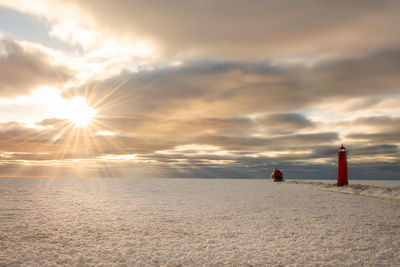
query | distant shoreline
(205,178)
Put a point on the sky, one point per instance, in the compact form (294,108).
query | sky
(207,89)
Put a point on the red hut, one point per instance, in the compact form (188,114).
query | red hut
(342,178)
(277,175)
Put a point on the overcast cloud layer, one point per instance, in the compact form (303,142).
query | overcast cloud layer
(227,89)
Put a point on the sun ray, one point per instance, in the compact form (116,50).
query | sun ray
(111,92)
(75,135)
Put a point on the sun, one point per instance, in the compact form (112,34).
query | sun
(78,112)
(75,109)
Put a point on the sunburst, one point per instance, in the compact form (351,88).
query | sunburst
(79,132)
(79,113)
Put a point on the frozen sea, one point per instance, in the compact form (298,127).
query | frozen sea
(196,222)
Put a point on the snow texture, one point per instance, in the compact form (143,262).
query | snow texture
(192,222)
(367,189)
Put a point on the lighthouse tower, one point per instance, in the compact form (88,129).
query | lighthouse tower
(342,178)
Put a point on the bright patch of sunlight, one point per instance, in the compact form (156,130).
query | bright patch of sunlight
(119,157)
(76,110)
(105,133)
(195,149)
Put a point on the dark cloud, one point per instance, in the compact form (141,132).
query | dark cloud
(372,75)
(376,138)
(290,120)
(378,123)
(285,122)
(358,149)
(375,150)
(23,69)
(263,144)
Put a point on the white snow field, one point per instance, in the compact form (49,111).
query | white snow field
(192,222)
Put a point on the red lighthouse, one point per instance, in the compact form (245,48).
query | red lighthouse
(277,175)
(342,178)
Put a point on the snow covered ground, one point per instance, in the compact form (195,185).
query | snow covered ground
(369,188)
(192,222)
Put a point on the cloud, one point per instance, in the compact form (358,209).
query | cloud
(30,151)
(232,29)
(290,120)
(22,69)
(378,123)
(62,140)
(376,150)
(265,144)
(285,122)
(237,89)
(62,137)
(52,122)
(378,130)
(250,30)
(208,88)
(357,150)
(380,137)
(250,112)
